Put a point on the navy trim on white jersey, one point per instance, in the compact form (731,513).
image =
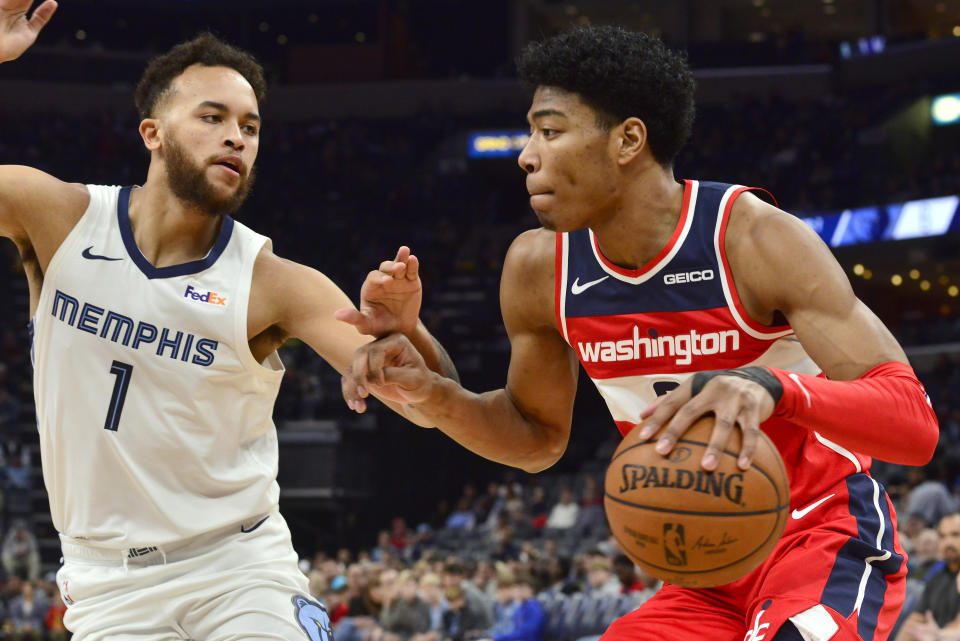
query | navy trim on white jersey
(184,269)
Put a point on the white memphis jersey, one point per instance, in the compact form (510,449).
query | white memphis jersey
(155,419)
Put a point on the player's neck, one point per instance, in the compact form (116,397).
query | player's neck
(644,221)
(167,231)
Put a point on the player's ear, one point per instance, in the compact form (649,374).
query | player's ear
(632,139)
(150,132)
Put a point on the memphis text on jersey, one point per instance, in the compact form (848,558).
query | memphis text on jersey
(682,346)
(117,327)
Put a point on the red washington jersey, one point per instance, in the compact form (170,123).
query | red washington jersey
(640,332)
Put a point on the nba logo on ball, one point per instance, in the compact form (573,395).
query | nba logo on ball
(674,544)
(688,526)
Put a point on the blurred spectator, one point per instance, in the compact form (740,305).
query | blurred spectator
(457,622)
(538,508)
(406,614)
(631,578)
(54,619)
(384,549)
(399,536)
(361,622)
(336,599)
(564,514)
(925,554)
(461,518)
(600,577)
(485,579)
(20,554)
(501,539)
(505,603)
(529,619)
(930,498)
(18,484)
(479,608)
(28,614)
(9,409)
(431,591)
(591,517)
(939,605)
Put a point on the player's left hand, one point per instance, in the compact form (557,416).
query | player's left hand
(734,401)
(389,299)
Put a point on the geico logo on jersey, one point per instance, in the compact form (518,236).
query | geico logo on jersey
(695,276)
(210,297)
(682,347)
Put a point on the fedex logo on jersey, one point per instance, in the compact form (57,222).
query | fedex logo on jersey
(682,347)
(212,298)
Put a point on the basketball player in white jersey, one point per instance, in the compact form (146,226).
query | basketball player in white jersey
(703,289)
(156,318)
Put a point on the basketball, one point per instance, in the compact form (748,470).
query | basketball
(691,527)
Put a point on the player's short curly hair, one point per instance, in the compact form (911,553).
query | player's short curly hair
(205,49)
(620,74)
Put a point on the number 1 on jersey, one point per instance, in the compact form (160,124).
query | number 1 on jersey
(123,372)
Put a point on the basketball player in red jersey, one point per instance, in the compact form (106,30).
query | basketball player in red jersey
(682,299)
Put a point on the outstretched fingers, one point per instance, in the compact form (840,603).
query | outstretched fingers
(41,16)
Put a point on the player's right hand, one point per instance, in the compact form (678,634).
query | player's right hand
(392,369)
(17,32)
(389,299)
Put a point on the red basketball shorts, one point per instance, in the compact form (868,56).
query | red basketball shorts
(838,573)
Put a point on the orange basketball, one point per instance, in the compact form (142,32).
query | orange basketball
(688,526)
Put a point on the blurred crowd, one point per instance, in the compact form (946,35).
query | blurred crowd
(30,605)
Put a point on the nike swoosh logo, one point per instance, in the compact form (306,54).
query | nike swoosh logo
(91,256)
(254,526)
(799,514)
(577,288)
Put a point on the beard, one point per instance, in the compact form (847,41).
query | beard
(189,182)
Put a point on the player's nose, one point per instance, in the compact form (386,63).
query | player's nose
(234,138)
(528,159)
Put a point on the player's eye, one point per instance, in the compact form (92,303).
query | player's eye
(250,130)
(211,118)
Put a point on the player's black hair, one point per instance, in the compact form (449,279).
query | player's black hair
(619,74)
(205,49)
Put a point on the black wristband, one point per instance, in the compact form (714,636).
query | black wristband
(759,375)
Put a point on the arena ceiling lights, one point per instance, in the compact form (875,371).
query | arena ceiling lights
(945,109)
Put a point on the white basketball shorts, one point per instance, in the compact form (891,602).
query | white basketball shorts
(240,582)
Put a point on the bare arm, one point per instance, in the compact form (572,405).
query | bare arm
(786,267)
(37,208)
(526,424)
(289,300)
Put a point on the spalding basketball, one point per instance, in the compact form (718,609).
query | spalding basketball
(688,526)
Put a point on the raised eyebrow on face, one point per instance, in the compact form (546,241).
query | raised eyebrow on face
(219,106)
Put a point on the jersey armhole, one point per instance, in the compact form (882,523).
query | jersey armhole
(272,367)
(99,198)
(739,312)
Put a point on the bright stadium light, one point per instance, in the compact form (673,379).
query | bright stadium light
(945,109)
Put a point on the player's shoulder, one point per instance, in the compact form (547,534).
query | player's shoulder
(30,198)
(534,249)
(757,226)
(528,279)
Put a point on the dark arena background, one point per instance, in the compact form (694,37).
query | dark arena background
(392,122)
